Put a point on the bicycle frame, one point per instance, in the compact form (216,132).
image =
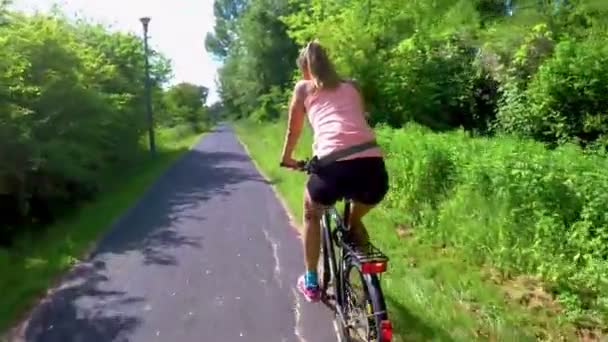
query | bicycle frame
(368,259)
(336,262)
(370,263)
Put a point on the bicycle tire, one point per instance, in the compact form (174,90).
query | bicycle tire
(374,298)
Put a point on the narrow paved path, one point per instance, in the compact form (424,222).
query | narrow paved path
(206,255)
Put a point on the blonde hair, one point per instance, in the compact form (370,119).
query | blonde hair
(322,70)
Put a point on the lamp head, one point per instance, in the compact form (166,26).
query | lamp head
(145,21)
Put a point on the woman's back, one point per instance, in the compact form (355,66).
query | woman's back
(335,112)
(338,120)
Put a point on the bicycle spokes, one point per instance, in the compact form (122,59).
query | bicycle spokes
(359,303)
(359,313)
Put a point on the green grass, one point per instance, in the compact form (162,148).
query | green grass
(28,269)
(434,290)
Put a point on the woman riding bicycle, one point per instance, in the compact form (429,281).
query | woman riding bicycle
(336,113)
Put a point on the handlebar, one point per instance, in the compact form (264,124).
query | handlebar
(301,165)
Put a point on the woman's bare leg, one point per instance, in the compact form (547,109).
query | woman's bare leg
(312,232)
(358,231)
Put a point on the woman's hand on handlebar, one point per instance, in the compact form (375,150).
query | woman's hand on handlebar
(289,162)
(300,165)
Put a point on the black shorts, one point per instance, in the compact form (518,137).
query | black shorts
(363,180)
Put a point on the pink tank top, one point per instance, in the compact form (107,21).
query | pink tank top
(338,121)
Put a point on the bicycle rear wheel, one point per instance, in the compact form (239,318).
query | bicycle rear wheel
(366,316)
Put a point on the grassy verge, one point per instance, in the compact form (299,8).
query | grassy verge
(436,290)
(28,269)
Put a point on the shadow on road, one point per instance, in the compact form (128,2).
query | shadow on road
(88,306)
(61,318)
(150,227)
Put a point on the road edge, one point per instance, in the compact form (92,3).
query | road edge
(17,332)
(292,221)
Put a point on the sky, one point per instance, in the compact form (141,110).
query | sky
(177,29)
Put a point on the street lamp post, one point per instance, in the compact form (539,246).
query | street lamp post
(145,21)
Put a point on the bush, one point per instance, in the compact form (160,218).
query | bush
(272,105)
(565,99)
(507,202)
(184,103)
(70,111)
(440,84)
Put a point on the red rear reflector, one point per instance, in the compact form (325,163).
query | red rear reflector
(386,331)
(373,267)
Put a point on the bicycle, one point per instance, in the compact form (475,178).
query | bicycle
(368,261)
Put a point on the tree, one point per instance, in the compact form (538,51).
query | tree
(260,56)
(185,103)
(226,13)
(71,110)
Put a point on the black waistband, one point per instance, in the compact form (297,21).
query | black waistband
(336,155)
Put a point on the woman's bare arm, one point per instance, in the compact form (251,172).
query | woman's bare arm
(295,123)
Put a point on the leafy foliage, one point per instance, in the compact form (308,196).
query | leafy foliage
(565,99)
(71,111)
(184,104)
(508,202)
(510,70)
(445,64)
(259,59)
(226,12)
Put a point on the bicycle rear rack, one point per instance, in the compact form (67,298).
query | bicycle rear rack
(367,253)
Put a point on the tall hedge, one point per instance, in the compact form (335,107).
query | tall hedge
(71,100)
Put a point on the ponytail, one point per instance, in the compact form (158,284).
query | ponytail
(322,70)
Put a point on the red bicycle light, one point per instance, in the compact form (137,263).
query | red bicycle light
(386,331)
(373,267)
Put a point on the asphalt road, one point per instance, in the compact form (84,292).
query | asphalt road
(207,254)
